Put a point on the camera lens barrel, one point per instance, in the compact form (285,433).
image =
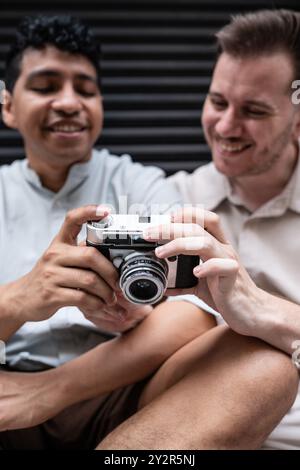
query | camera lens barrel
(143,278)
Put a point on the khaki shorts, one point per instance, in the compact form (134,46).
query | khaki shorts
(81,426)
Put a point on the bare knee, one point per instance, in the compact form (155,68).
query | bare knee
(251,357)
(223,350)
(269,365)
(231,392)
(267,382)
(282,375)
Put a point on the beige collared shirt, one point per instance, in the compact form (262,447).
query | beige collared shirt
(267,240)
(268,243)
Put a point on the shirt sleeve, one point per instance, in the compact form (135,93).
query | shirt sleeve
(149,191)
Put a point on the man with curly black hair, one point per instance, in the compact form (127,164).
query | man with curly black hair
(56,303)
(64,32)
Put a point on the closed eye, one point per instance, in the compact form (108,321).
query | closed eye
(218,104)
(256,113)
(44,90)
(88,94)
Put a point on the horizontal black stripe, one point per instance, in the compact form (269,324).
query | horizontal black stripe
(158,57)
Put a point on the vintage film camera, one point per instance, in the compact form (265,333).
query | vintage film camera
(144,278)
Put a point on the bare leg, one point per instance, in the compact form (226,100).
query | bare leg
(221,391)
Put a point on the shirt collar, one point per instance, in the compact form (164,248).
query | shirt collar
(77,175)
(221,190)
(214,188)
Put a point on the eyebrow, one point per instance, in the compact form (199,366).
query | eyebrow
(259,103)
(55,74)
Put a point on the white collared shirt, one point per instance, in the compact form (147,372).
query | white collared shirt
(30,217)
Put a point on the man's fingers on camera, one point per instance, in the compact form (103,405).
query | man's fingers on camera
(225,269)
(77,297)
(98,263)
(87,281)
(217,267)
(204,246)
(188,239)
(202,217)
(76,218)
(88,257)
(172,231)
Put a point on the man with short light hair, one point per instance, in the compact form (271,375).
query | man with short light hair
(250,249)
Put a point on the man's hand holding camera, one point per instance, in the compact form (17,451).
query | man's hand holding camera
(69,274)
(223,282)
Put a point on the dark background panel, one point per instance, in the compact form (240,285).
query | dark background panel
(157,62)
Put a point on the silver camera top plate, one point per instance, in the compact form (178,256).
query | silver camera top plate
(132,225)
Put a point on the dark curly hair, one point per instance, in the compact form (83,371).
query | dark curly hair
(64,32)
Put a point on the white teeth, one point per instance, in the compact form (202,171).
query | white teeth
(67,129)
(233,148)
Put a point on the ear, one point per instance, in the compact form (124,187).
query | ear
(8,114)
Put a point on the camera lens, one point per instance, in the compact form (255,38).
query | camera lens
(143,278)
(143,289)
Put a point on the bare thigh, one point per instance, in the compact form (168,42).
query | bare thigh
(221,391)
(219,352)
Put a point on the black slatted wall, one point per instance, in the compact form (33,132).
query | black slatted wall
(157,61)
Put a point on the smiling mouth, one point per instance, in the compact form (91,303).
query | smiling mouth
(233,148)
(66,129)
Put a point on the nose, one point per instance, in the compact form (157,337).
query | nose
(229,124)
(67,101)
